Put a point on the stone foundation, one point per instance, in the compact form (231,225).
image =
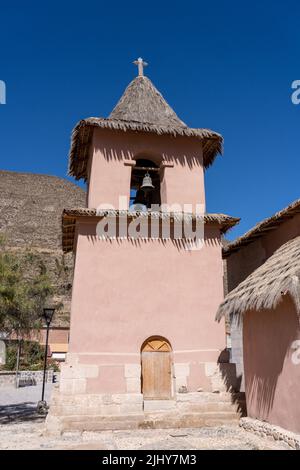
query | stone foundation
(265,429)
(83,402)
(130,411)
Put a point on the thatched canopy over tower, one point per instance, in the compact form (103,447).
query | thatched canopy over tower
(142,102)
(141,108)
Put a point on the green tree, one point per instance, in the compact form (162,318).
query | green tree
(24,289)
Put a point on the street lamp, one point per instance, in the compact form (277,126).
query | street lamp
(48,315)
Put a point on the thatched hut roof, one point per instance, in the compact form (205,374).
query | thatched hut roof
(142,102)
(264,288)
(263,227)
(225,222)
(141,109)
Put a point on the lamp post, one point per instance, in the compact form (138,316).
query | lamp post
(48,315)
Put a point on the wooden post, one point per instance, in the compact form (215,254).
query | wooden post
(18,364)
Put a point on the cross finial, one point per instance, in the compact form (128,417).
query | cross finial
(141,64)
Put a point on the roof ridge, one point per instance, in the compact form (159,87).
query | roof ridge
(261,226)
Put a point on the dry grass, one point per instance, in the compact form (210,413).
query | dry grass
(264,288)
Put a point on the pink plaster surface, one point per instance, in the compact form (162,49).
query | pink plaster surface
(110,177)
(198,355)
(197,378)
(272,379)
(125,291)
(111,380)
(110,359)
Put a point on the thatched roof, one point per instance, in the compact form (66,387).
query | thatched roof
(142,102)
(263,227)
(141,109)
(70,215)
(264,288)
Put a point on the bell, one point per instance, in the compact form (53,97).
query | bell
(147,185)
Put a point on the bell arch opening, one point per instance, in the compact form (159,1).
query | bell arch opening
(145,186)
(156,359)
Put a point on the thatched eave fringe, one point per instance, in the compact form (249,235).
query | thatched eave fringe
(266,225)
(294,290)
(70,216)
(82,135)
(264,288)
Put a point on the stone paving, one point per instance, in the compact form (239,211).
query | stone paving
(22,428)
(19,404)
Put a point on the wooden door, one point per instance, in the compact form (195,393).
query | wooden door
(156,370)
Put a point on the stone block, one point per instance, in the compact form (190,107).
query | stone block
(67,372)
(71,359)
(151,406)
(112,409)
(53,427)
(180,382)
(66,386)
(218,385)
(182,370)
(133,398)
(107,399)
(211,369)
(89,371)
(79,385)
(133,385)
(133,371)
(132,408)
(79,371)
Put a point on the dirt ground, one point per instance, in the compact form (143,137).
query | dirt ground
(22,428)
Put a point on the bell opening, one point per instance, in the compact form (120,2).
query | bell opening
(145,186)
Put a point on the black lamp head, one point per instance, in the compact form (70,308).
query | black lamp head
(48,314)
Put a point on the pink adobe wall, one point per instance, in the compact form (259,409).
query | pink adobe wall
(286,231)
(109,177)
(249,257)
(272,380)
(126,291)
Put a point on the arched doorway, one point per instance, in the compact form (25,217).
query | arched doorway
(156,369)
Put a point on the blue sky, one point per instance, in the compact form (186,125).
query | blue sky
(225,65)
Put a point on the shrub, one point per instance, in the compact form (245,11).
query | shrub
(31,356)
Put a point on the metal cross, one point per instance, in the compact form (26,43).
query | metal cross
(141,64)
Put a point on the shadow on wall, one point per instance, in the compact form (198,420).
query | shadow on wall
(180,244)
(232,382)
(267,338)
(122,153)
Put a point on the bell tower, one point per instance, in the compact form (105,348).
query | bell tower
(143,336)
